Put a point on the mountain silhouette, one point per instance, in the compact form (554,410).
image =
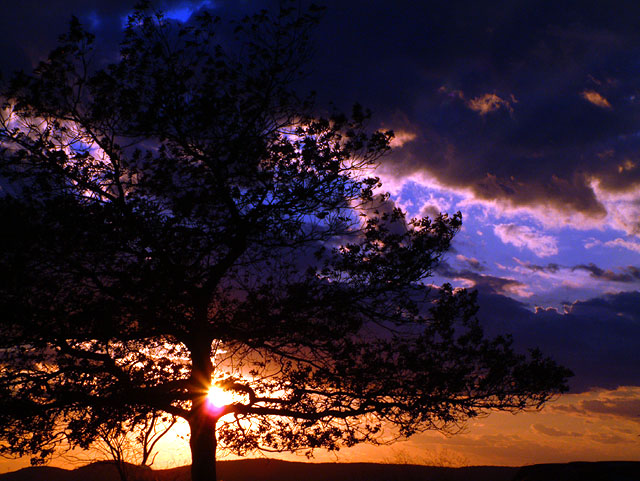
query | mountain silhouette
(276,470)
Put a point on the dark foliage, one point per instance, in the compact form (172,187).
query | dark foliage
(181,218)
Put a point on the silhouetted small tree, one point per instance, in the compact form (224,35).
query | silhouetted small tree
(132,442)
(182,218)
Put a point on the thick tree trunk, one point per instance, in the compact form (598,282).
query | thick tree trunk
(202,420)
(203,444)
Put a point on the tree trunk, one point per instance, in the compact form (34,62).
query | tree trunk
(202,420)
(203,443)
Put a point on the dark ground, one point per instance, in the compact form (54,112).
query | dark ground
(275,470)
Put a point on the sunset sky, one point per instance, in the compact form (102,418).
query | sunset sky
(523,115)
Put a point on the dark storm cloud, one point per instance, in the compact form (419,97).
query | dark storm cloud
(30,28)
(596,338)
(551,267)
(628,274)
(526,102)
(482,282)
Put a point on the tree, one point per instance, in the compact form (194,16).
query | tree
(128,443)
(181,218)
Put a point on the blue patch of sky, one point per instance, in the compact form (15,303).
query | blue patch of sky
(583,247)
(181,12)
(79,146)
(478,236)
(478,240)
(417,194)
(184,11)
(92,20)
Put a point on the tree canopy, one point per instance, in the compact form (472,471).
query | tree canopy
(183,218)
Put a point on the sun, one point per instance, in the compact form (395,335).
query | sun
(218,397)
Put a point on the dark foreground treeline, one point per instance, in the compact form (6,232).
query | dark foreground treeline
(275,470)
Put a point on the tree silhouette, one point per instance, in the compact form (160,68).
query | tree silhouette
(128,443)
(182,218)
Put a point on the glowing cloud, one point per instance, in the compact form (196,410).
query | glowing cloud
(483,104)
(596,99)
(488,103)
(401,137)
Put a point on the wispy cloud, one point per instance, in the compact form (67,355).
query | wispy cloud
(596,99)
(482,104)
(488,103)
(472,262)
(488,283)
(401,137)
(525,237)
(551,431)
(549,268)
(621,403)
(628,274)
(632,245)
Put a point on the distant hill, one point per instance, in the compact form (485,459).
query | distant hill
(273,470)
(581,471)
(276,470)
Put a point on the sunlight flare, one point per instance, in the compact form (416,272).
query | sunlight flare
(218,397)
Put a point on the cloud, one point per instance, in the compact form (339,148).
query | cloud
(631,245)
(608,438)
(401,137)
(472,262)
(552,267)
(384,209)
(622,201)
(488,103)
(629,274)
(482,104)
(596,338)
(542,154)
(551,431)
(596,99)
(592,242)
(484,282)
(628,408)
(626,166)
(433,204)
(623,403)
(522,236)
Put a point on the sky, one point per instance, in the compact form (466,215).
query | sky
(524,116)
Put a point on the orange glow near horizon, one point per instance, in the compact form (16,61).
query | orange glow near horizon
(598,425)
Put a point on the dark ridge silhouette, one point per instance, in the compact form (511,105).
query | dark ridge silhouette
(581,471)
(274,470)
(40,472)
(268,470)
